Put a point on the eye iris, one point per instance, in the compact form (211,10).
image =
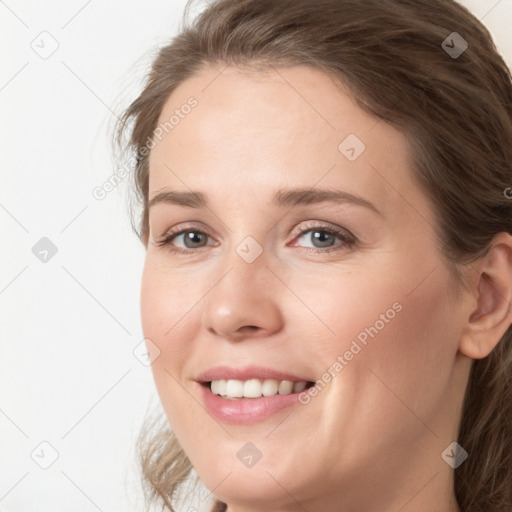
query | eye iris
(321,236)
(192,236)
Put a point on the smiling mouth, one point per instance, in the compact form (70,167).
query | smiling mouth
(233,389)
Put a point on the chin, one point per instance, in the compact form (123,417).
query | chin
(242,487)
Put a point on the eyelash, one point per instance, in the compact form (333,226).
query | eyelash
(347,238)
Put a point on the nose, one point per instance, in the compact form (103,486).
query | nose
(244,301)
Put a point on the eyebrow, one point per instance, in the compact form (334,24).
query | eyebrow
(281,198)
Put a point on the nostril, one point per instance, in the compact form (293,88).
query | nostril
(251,327)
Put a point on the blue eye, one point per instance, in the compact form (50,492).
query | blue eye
(324,236)
(191,237)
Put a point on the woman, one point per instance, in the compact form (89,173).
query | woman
(326,210)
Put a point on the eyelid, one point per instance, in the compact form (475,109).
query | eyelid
(178,230)
(312,225)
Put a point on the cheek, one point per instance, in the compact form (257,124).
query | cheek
(165,315)
(358,306)
(165,301)
(170,320)
(157,300)
(406,363)
(423,338)
(393,336)
(166,320)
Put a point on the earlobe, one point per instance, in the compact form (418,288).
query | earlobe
(492,315)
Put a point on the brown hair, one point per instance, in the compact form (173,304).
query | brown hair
(456,111)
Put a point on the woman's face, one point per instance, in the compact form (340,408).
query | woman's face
(341,285)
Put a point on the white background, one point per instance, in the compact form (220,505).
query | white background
(68,375)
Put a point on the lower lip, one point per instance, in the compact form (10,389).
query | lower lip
(246,410)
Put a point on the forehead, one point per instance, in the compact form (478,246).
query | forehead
(281,127)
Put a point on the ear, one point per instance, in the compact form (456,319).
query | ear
(492,316)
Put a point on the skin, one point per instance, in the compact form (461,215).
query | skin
(372,438)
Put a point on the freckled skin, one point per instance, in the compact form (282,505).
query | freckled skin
(372,438)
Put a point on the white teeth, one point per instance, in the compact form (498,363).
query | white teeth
(255,388)
(234,388)
(214,386)
(285,387)
(269,387)
(299,386)
(252,388)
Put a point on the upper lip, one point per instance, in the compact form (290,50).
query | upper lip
(246,373)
